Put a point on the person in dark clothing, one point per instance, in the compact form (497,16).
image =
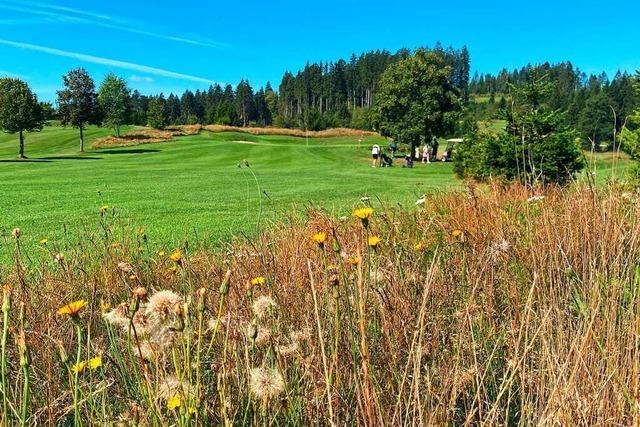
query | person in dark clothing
(393,147)
(385,160)
(434,148)
(409,161)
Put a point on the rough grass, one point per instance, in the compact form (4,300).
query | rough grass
(146,136)
(328,133)
(476,307)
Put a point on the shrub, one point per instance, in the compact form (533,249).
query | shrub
(537,146)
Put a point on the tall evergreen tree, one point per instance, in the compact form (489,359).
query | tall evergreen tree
(244,102)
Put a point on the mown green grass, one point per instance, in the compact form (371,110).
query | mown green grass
(193,188)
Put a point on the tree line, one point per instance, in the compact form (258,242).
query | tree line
(592,102)
(411,96)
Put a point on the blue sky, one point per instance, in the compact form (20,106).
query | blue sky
(172,46)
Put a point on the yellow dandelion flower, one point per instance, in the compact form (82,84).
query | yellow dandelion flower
(353,260)
(319,238)
(258,281)
(457,233)
(44,241)
(72,309)
(419,247)
(78,367)
(374,241)
(174,403)
(176,256)
(95,362)
(363,213)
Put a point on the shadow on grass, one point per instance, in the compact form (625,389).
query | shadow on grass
(70,158)
(49,159)
(128,151)
(26,161)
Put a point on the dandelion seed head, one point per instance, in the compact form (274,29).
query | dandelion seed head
(118,316)
(266,383)
(263,305)
(125,267)
(163,306)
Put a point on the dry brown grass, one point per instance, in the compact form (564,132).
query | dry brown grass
(134,137)
(147,136)
(153,136)
(328,133)
(528,316)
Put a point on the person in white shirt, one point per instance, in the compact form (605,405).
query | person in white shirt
(425,154)
(375,154)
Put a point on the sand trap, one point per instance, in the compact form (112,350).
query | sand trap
(245,142)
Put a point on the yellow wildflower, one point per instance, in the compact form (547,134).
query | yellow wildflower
(44,241)
(78,367)
(173,403)
(374,241)
(319,238)
(104,208)
(353,260)
(95,362)
(363,213)
(457,233)
(72,309)
(161,253)
(419,247)
(176,256)
(258,281)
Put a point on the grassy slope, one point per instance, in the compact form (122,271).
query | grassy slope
(194,183)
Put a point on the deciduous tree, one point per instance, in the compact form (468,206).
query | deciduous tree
(114,99)
(417,100)
(156,115)
(78,101)
(20,110)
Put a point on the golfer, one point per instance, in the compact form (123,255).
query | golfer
(375,153)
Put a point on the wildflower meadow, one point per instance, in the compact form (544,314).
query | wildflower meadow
(484,306)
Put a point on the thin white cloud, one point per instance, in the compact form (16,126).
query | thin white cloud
(137,78)
(5,73)
(106,61)
(78,16)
